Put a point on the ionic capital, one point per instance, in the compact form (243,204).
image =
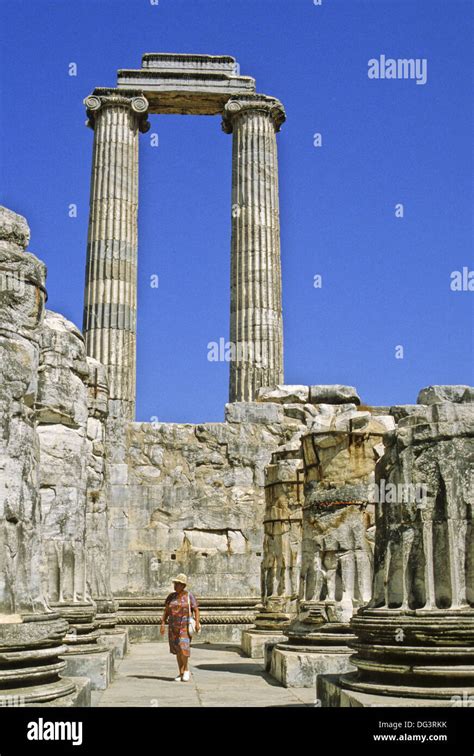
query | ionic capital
(137,103)
(237,106)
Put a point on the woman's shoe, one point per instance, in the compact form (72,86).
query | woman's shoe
(185,676)
(178,679)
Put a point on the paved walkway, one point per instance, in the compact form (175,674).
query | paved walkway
(220,676)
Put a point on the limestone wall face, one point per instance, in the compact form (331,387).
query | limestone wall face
(190,498)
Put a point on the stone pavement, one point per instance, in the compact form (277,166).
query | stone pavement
(220,676)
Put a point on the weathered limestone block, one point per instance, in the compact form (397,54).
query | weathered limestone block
(281,549)
(251,412)
(72,481)
(416,638)
(333,394)
(22,297)
(284,394)
(30,644)
(282,530)
(440,394)
(433,452)
(339,474)
(98,491)
(403,410)
(62,424)
(299,394)
(339,456)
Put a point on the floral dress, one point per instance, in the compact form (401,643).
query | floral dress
(178,615)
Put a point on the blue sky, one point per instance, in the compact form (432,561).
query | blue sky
(385,280)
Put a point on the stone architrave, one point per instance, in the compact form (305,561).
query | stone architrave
(339,456)
(256,330)
(110,302)
(415,641)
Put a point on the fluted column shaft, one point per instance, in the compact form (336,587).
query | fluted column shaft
(110,300)
(256,328)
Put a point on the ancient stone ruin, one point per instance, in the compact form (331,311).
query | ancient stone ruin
(331,538)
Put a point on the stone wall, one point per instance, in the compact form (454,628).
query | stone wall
(190,498)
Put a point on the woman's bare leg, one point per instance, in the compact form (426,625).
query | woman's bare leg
(182,662)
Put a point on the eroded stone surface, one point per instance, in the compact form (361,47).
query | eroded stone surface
(416,639)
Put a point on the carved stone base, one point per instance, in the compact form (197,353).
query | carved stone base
(106,617)
(32,665)
(82,632)
(300,666)
(313,647)
(117,641)
(331,692)
(413,653)
(81,697)
(97,666)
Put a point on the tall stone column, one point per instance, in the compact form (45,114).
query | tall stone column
(256,328)
(110,300)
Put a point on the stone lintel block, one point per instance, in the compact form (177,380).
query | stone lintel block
(437,422)
(376,409)
(282,394)
(185,91)
(439,394)
(189,62)
(333,394)
(398,411)
(254,412)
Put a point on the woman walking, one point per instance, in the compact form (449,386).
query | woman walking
(179,608)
